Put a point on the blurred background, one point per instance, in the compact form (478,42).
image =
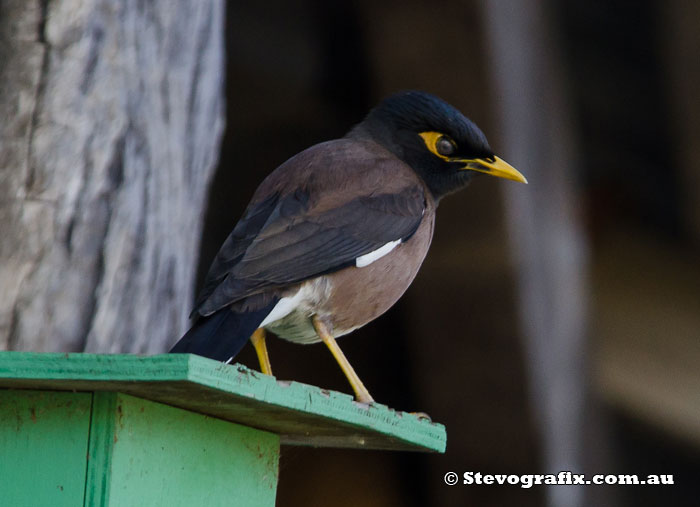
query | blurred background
(554,326)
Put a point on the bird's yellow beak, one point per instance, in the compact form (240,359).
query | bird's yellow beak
(496,167)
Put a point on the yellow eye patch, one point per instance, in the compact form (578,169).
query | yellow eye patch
(439,144)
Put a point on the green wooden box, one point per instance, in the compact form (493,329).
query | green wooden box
(170,430)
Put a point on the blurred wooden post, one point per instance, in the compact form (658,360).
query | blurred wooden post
(680,24)
(549,245)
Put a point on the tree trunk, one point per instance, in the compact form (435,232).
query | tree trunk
(112,114)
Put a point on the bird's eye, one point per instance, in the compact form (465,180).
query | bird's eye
(445,146)
(439,144)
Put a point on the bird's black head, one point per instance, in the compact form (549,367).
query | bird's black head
(443,146)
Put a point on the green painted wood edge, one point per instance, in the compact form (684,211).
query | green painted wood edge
(314,400)
(97,367)
(100,442)
(236,380)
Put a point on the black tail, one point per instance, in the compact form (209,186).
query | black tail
(222,334)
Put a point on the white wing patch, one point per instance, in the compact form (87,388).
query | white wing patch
(288,304)
(367,259)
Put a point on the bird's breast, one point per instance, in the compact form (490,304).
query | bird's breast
(352,297)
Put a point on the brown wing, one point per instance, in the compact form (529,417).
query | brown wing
(346,201)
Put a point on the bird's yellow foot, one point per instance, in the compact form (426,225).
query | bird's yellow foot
(422,416)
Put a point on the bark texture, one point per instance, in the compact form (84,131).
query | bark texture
(112,114)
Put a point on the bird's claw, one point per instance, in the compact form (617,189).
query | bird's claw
(422,416)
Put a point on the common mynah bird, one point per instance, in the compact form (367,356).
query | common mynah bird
(334,236)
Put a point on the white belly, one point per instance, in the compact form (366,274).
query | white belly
(290,319)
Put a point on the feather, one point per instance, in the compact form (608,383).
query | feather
(223,334)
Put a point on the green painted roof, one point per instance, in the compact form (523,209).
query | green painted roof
(299,413)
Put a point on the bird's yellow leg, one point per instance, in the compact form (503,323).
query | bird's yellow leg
(361,393)
(258,341)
